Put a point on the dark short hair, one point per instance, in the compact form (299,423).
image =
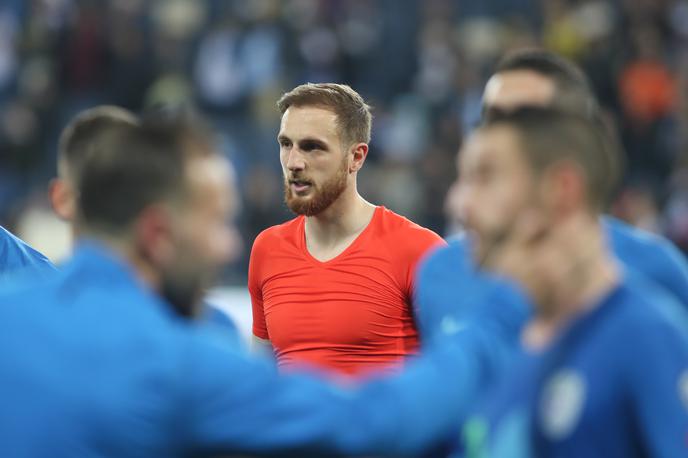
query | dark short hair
(549,135)
(573,92)
(353,114)
(136,167)
(83,135)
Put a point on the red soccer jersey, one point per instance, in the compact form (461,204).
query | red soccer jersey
(351,314)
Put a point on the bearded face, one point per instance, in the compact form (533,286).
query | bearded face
(495,188)
(305,196)
(202,235)
(315,161)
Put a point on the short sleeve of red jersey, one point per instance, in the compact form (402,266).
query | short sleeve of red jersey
(418,242)
(255,282)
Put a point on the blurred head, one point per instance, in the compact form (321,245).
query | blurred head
(167,203)
(535,77)
(539,78)
(323,138)
(81,138)
(529,161)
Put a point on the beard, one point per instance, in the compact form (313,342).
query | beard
(486,245)
(184,296)
(322,195)
(184,285)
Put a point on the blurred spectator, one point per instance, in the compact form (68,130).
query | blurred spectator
(423,64)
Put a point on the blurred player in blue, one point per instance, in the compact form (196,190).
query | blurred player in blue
(83,137)
(17,258)
(446,284)
(602,366)
(105,358)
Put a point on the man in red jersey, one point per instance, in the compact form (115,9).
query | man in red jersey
(332,288)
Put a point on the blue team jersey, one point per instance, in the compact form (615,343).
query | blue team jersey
(18,259)
(500,427)
(614,384)
(447,281)
(216,319)
(95,364)
(650,255)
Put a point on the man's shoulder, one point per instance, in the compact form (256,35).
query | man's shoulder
(651,255)
(647,328)
(401,231)
(645,309)
(274,235)
(17,254)
(114,312)
(624,236)
(453,256)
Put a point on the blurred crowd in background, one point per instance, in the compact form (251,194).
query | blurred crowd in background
(422,65)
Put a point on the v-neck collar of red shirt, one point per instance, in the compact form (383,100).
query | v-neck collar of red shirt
(303,247)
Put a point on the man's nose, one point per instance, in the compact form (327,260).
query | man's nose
(295,160)
(464,202)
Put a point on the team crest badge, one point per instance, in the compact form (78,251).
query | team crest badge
(683,388)
(561,404)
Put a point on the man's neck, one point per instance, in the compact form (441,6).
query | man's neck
(586,275)
(347,217)
(127,252)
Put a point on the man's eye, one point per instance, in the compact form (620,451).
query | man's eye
(311,146)
(484,174)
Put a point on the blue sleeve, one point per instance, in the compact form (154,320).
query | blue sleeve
(659,389)
(19,261)
(443,285)
(673,270)
(232,404)
(219,321)
(427,308)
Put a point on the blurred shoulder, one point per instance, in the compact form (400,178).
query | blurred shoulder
(649,309)
(15,254)
(455,254)
(624,235)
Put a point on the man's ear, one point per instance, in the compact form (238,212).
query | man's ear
(359,153)
(153,233)
(565,187)
(62,198)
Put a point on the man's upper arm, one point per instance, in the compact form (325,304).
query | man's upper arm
(232,404)
(427,311)
(255,290)
(445,285)
(420,244)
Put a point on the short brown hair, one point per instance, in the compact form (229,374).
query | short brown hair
(353,114)
(82,136)
(138,165)
(572,91)
(548,135)
(573,94)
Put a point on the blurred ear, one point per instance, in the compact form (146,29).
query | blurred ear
(565,188)
(154,236)
(359,153)
(62,198)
